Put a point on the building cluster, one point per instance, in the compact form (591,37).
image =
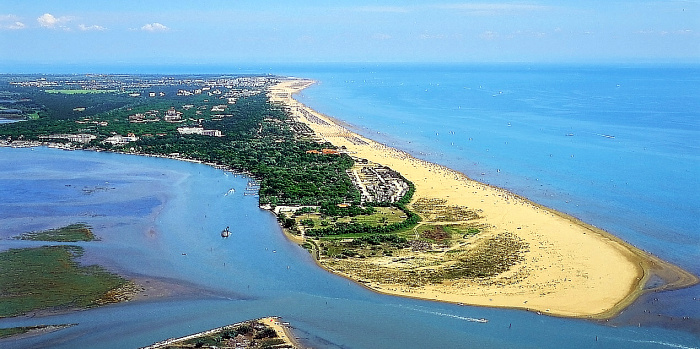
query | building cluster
(75,138)
(377,183)
(218,108)
(88,121)
(226,87)
(173,115)
(121,140)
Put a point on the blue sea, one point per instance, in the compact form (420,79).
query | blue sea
(615,146)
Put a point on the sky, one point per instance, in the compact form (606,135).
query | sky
(228,31)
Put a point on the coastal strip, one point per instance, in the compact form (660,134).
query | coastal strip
(17,333)
(568,268)
(238,335)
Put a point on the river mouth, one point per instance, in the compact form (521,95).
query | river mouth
(162,222)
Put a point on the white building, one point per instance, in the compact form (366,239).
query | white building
(199,131)
(190,130)
(120,140)
(172,115)
(212,133)
(75,138)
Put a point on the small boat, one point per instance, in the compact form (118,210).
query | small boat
(225,233)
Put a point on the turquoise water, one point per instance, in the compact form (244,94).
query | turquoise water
(161,218)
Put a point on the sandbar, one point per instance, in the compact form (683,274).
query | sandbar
(569,269)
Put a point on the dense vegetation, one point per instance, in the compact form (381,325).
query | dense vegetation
(49,277)
(70,233)
(255,334)
(342,228)
(257,139)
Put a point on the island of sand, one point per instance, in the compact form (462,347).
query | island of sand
(540,259)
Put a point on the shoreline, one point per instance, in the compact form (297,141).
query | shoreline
(543,228)
(639,265)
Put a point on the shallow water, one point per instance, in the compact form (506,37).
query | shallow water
(162,218)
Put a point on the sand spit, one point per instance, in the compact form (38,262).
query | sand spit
(282,331)
(568,268)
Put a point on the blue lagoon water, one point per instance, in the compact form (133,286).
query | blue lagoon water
(542,132)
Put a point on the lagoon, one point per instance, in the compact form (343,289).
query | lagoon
(161,219)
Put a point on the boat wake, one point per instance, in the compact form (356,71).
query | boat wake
(464,318)
(666,344)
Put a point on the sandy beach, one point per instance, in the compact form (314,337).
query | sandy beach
(569,268)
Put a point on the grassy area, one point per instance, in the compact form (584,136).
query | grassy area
(375,245)
(75,92)
(9,332)
(381,216)
(489,258)
(445,232)
(49,277)
(437,210)
(70,233)
(13,331)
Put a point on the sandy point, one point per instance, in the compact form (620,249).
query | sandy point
(570,268)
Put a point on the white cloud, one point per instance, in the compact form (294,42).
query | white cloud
(154,27)
(84,27)
(50,21)
(16,26)
(11,22)
(47,20)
